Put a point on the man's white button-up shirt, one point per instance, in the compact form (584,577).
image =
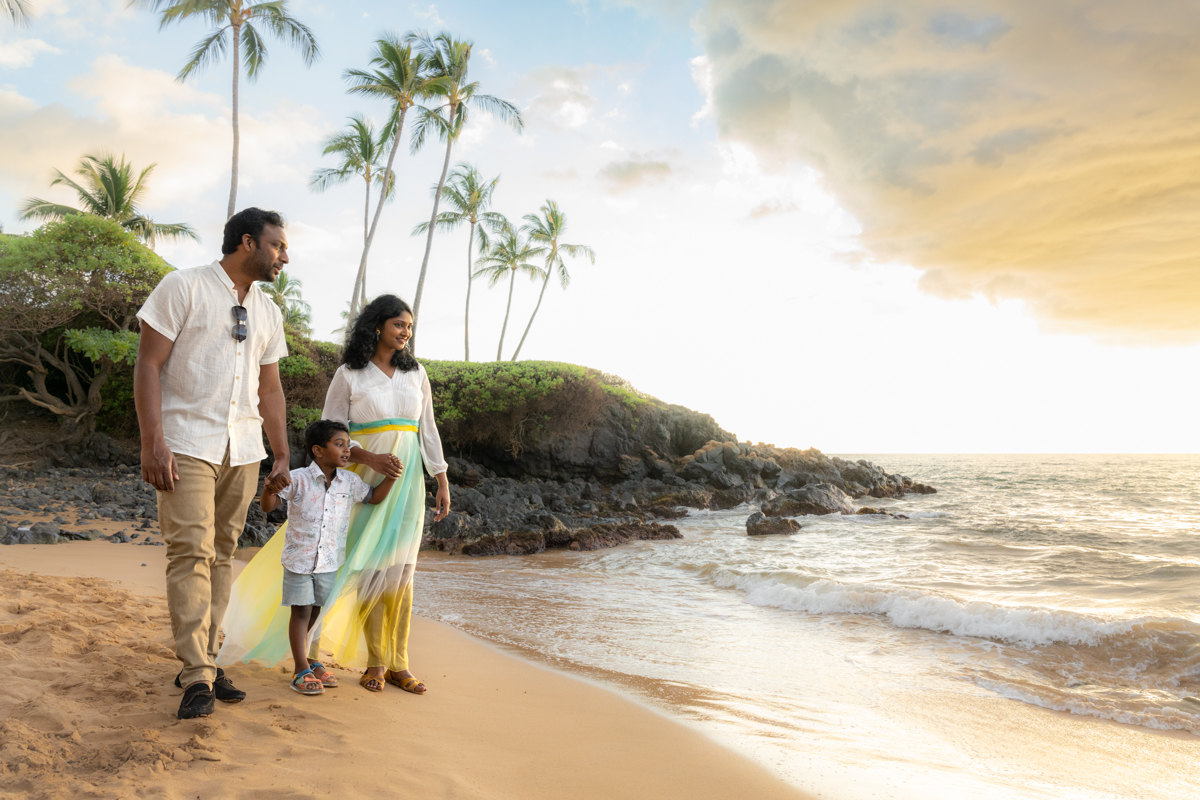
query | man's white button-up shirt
(210,380)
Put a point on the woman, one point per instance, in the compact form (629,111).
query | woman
(383,395)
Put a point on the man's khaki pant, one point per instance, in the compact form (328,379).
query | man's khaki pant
(201,522)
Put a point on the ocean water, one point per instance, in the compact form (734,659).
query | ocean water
(1032,630)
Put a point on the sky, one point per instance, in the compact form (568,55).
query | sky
(867,227)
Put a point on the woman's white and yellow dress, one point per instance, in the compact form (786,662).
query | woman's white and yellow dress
(367,624)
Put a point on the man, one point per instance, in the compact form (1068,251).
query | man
(205,385)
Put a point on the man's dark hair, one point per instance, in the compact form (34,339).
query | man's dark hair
(319,433)
(249,220)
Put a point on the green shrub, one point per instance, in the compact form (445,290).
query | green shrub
(300,417)
(297,366)
(510,405)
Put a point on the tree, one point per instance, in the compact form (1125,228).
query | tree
(360,152)
(469,196)
(110,190)
(401,78)
(509,254)
(243,20)
(69,295)
(285,292)
(19,10)
(547,229)
(449,60)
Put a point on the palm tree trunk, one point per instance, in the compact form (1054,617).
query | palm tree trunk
(512,278)
(467,312)
(237,138)
(412,342)
(358,296)
(541,294)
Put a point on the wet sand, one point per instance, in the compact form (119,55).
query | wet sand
(88,710)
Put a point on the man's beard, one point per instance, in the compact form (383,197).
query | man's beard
(260,266)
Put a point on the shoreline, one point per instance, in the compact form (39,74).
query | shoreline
(493,725)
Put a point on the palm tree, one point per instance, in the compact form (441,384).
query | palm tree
(547,229)
(508,255)
(469,195)
(19,10)
(110,190)
(449,59)
(285,292)
(249,48)
(360,152)
(400,77)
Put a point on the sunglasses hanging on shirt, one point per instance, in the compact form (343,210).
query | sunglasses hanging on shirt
(239,327)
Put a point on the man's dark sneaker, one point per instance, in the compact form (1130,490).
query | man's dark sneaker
(223,688)
(197,701)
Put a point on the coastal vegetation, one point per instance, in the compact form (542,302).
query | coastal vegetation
(456,98)
(469,196)
(18,11)
(418,72)
(239,25)
(109,189)
(69,295)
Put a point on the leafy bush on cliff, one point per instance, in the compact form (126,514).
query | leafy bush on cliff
(509,404)
(69,294)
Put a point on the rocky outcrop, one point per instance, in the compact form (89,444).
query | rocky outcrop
(760,525)
(815,498)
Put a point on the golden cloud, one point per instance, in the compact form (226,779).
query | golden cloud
(1048,152)
(634,172)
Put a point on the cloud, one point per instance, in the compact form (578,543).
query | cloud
(770,207)
(641,170)
(429,15)
(21,52)
(562,98)
(1016,149)
(150,117)
(705,80)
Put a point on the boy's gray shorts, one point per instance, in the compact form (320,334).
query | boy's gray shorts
(312,589)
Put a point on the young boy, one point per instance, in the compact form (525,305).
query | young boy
(320,498)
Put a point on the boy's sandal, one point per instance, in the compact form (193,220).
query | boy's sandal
(371,683)
(328,680)
(307,682)
(407,684)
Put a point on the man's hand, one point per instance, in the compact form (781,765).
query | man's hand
(279,477)
(391,466)
(158,465)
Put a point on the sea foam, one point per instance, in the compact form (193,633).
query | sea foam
(915,608)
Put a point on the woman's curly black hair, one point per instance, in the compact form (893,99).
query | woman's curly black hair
(360,343)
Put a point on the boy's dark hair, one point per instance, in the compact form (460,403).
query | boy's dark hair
(319,433)
(249,220)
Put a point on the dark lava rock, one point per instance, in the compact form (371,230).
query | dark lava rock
(867,510)
(257,531)
(611,535)
(120,537)
(518,543)
(39,533)
(105,495)
(815,498)
(759,525)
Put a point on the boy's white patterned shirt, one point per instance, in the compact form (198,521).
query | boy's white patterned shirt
(319,519)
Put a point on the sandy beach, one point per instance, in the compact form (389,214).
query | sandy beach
(88,710)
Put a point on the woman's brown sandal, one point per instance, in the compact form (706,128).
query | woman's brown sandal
(371,683)
(407,684)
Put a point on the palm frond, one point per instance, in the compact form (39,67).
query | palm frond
(207,51)
(37,208)
(254,50)
(288,29)
(17,9)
